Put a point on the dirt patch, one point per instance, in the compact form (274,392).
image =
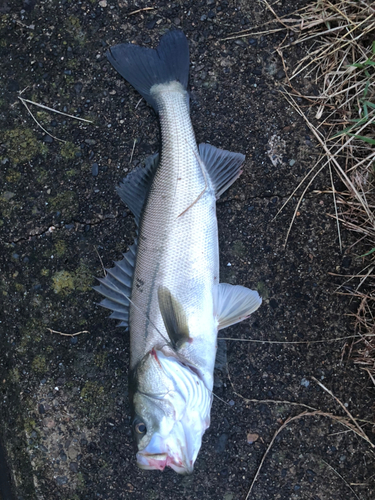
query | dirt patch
(64,413)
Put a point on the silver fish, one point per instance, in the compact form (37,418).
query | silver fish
(166,288)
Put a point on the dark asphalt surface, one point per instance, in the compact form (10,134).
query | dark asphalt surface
(64,413)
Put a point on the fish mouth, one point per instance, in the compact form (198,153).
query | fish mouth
(160,461)
(177,450)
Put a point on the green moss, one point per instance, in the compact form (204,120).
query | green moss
(71,173)
(65,202)
(239,248)
(20,287)
(68,150)
(22,145)
(59,248)
(32,332)
(80,481)
(12,176)
(100,359)
(64,282)
(39,364)
(6,196)
(92,391)
(94,401)
(45,272)
(14,375)
(29,425)
(41,175)
(83,278)
(73,26)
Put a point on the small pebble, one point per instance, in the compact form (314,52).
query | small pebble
(305,382)
(60,480)
(251,438)
(95,169)
(73,466)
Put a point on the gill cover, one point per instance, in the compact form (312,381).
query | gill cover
(175,415)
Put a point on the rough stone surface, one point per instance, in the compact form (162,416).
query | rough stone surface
(64,414)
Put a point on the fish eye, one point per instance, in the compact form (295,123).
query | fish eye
(140,428)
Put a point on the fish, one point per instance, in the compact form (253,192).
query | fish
(166,289)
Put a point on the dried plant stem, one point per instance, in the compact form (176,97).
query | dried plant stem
(67,334)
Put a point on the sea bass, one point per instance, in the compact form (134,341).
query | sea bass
(166,289)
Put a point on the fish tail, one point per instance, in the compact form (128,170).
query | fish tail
(143,68)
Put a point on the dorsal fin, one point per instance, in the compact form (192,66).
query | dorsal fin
(135,187)
(174,317)
(117,286)
(223,166)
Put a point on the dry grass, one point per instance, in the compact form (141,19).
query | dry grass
(341,62)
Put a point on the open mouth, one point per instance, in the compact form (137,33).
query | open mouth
(162,460)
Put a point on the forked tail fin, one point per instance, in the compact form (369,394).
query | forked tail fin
(143,67)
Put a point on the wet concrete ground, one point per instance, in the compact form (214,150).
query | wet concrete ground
(64,408)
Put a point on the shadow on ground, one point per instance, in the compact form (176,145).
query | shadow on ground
(64,411)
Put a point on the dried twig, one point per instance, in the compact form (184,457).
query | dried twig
(67,334)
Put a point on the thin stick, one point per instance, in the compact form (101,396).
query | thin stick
(141,10)
(360,430)
(335,205)
(205,183)
(340,476)
(67,334)
(287,421)
(101,262)
(54,110)
(36,121)
(258,341)
(132,153)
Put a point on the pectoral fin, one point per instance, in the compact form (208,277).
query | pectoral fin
(174,317)
(234,303)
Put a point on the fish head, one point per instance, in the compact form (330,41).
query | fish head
(171,410)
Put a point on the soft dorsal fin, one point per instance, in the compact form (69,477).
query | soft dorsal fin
(234,303)
(117,286)
(174,317)
(223,167)
(135,187)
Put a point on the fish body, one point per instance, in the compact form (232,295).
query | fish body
(166,289)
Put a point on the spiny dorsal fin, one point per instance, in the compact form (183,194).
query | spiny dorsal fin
(174,317)
(223,167)
(135,187)
(234,303)
(117,286)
